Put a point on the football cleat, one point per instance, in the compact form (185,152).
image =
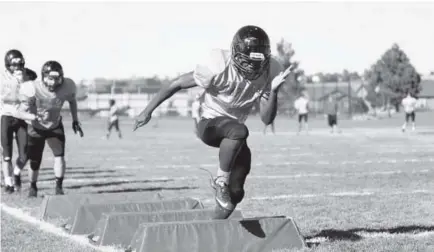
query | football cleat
(33,192)
(17,182)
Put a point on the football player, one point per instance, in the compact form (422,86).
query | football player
(232,82)
(409,103)
(11,79)
(301,105)
(46,98)
(113,122)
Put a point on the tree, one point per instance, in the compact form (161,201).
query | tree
(394,75)
(293,85)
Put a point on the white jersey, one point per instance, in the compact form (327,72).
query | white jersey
(113,113)
(10,93)
(301,105)
(409,104)
(226,92)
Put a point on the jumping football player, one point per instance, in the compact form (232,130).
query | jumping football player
(232,82)
(409,104)
(11,79)
(46,98)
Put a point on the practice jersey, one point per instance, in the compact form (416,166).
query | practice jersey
(10,89)
(48,104)
(409,104)
(331,108)
(228,93)
(301,105)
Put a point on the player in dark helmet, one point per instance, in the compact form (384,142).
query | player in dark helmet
(46,98)
(232,83)
(11,79)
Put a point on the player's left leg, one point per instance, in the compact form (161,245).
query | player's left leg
(229,136)
(56,141)
(21,139)
(6,135)
(36,144)
(109,129)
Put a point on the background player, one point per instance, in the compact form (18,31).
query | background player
(301,105)
(11,79)
(46,98)
(232,83)
(331,110)
(409,104)
(114,112)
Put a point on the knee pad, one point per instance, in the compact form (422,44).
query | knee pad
(21,162)
(238,131)
(34,165)
(237,195)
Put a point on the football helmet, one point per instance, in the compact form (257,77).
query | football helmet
(251,51)
(52,75)
(14,63)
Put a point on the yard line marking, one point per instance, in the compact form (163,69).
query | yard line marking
(50,228)
(297,162)
(337,194)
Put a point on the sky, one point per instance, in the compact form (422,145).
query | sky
(121,40)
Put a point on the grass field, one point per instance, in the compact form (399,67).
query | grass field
(370,188)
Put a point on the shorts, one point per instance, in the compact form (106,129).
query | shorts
(411,115)
(213,131)
(55,139)
(301,117)
(332,120)
(114,124)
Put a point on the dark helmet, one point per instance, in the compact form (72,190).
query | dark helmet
(251,51)
(14,58)
(52,75)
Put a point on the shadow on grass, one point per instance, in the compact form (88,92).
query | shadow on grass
(148,189)
(351,234)
(87,177)
(116,183)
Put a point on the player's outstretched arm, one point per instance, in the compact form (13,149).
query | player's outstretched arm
(184,81)
(269,106)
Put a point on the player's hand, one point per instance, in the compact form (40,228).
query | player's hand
(76,126)
(280,79)
(142,119)
(42,116)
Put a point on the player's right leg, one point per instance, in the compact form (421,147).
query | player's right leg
(22,145)
(118,130)
(36,144)
(413,121)
(229,136)
(56,141)
(7,135)
(300,117)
